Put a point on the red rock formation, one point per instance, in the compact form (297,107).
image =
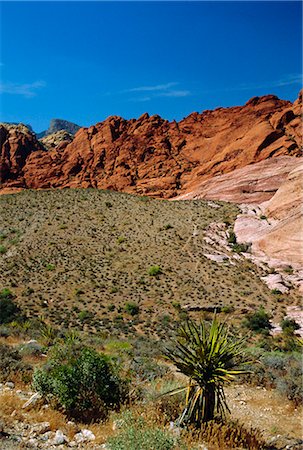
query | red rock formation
(155,157)
(17,142)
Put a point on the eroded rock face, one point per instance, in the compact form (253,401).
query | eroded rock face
(164,159)
(17,142)
(59,140)
(285,238)
(254,183)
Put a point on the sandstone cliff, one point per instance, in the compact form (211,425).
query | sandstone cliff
(164,159)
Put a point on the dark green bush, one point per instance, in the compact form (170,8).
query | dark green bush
(81,382)
(232,239)
(9,311)
(132,308)
(258,321)
(289,326)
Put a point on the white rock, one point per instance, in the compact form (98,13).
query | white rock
(88,435)
(79,438)
(59,438)
(10,384)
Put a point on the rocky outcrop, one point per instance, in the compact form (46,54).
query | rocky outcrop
(255,183)
(275,227)
(155,157)
(58,140)
(285,238)
(17,142)
(59,125)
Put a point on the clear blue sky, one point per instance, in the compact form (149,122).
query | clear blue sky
(84,61)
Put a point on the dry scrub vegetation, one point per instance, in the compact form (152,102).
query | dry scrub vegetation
(115,263)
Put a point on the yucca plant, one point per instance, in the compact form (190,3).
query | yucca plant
(210,357)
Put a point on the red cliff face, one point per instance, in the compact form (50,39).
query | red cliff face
(16,144)
(155,157)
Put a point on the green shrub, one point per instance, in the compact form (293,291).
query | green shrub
(135,434)
(289,326)
(82,382)
(241,248)
(258,321)
(3,249)
(132,308)
(282,371)
(9,311)
(85,315)
(154,271)
(11,364)
(232,239)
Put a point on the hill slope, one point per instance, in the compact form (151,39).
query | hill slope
(77,257)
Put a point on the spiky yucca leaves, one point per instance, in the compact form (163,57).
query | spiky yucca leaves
(210,358)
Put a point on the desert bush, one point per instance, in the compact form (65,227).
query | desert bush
(289,326)
(232,239)
(154,271)
(81,382)
(281,371)
(241,248)
(132,308)
(147,369)
(258,321)
(31,348)
(136,434)
(11,364)
(9,311)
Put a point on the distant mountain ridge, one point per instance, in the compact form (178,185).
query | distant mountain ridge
(59,125)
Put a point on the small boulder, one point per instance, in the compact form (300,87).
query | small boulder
(59,438)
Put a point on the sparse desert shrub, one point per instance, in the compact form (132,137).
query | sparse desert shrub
(153,271)
(147,369)
(81,382)
(31,348)
(11,364)
(276,291)
(136,434)
(232,238)
(241,248)
(3,249)
(258,321)
(289,326)
(132,308)
(9,311)
(282,371)
(85,315)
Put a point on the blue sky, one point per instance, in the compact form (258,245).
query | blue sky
(84,61)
